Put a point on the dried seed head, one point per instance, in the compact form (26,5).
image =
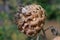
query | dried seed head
(31,19)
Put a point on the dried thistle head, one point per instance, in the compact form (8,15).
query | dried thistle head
(31,19)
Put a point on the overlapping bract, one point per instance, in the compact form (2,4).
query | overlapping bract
(31,19)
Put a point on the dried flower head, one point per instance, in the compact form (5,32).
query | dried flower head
(31,19)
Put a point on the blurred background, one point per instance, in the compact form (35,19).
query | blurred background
(8,8)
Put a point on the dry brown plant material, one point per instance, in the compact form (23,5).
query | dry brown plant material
(31,19)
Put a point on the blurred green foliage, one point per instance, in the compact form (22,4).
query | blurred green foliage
(9,31)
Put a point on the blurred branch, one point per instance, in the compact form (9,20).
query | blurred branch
(6,6)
